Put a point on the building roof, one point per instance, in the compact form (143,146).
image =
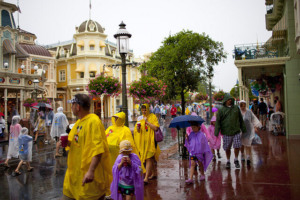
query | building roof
(36,50)
(25,32)
(90,26)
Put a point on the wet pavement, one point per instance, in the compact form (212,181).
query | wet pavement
(274,174)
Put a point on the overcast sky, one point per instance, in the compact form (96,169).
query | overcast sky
(150,21)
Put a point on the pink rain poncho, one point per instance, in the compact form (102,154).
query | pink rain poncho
(215,141)
(131,175)
(13,145)
(197,145)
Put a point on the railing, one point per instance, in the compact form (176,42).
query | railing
(258,50)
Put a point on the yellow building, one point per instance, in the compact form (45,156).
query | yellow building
(79,60)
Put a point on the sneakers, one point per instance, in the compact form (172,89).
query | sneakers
(248,162)
(228,165)
(237,164)
(189,181)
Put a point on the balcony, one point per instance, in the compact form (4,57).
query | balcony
(79,81)
(258,50)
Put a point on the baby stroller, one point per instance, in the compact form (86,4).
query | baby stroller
(276,121)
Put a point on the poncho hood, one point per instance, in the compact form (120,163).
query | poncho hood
(227,96)
(120,120)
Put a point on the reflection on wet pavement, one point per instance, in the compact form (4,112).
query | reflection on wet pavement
(274,173)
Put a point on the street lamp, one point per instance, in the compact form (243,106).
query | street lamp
(210,98)
(122,37)
(5,65)
(22,67)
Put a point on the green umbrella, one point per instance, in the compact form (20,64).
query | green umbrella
(206,104)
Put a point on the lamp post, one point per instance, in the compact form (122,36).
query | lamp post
(210,99)
(22,68)
(35,81)
(122,37)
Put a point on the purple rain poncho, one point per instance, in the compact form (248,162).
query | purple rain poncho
(197,145)
(131,175)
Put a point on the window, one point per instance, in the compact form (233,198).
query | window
(92,47)
(82,48)
(26,38)
(81,74)
(92,74)
(62,75)
(5,19)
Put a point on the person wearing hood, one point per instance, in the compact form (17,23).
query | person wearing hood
(215,141)
(230,122)
(252,123)
(173,111)
(144,140)
(116,133)
(13,145)
(58,127)
(25,150)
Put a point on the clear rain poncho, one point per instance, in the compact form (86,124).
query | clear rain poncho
(250,121)
(13,146)
(60,123)
(25,145)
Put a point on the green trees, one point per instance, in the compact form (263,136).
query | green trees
(183,60)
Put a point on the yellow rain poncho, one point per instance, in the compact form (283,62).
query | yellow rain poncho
(187,111)
(116,134)
(87,139)
(144,140)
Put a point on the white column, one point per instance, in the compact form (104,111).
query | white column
(114,107)
(102,112)
(5,109)
(111,107)
(240,82)
(21,104)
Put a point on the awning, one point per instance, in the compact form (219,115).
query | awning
(80,68)
(8,47)
(80,43)
(92,67)
(21,53)
(102,44)
(92,42)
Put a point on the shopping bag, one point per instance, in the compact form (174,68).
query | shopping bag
(159,135)
(256,139)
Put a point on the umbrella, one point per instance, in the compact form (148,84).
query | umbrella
(206,104)
(39,105)
(48,106)
(195,103)
(214,109)
(184,121)
(177,104)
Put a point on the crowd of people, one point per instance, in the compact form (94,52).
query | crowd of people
(116,163)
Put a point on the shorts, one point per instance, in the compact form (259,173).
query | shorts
(228,140)
(163,116)
(126,189)
(262,117)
